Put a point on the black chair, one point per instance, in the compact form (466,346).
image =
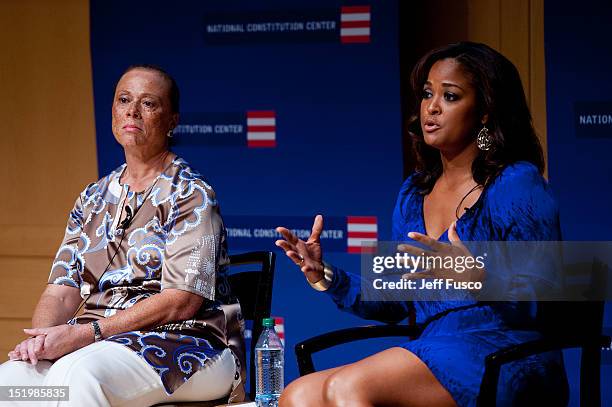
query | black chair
(254,291)
(253,288)
(585,331)
(305,349)
(565,325)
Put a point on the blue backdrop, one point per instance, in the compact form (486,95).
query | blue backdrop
(579,118)
(329,98)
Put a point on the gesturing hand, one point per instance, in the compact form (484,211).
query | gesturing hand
(438,249)
(308,255)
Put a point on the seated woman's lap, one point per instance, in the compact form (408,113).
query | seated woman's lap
(109,374)
(458,363)
(394,377)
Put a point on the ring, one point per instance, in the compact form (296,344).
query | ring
(301,259)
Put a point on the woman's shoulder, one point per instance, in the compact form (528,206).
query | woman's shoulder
(521,179)
(102,185)
(520,186)
(520,173)
(409,185)
(186,174)
(406,204)
(188,181)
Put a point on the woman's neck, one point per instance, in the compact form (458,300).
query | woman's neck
(457,166)
(141,171)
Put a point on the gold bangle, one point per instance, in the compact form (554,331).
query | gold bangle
(324,283)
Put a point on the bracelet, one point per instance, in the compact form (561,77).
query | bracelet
(96,331)
(324,283)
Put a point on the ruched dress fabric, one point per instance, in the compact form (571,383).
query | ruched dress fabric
(517,206)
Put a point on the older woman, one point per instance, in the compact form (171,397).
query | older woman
(476,149)
(145,248)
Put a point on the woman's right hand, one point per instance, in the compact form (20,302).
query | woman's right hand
(307,255)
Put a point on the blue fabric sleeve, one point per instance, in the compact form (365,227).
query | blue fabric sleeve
(345,291)
(525,208)
(346,288)
(525,211)
(403,205)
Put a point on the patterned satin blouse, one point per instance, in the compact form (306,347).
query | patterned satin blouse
(121,247)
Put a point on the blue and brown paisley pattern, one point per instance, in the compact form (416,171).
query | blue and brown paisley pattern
(176,240)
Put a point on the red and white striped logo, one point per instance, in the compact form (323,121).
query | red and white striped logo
(279,327)
(362,233)
(261,128)
(355,24)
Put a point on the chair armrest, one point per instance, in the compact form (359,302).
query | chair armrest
(305,349)
(494,361)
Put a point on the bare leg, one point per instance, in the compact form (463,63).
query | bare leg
(395,377)
(307,390)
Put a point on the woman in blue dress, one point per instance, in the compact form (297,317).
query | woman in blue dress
(478,178)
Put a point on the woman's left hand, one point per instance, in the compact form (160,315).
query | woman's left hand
(438,249)
(62,339)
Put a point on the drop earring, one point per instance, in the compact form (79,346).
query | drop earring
(484,141)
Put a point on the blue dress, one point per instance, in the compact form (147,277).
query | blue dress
(517,205)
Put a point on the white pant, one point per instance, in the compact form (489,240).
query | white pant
(109,374)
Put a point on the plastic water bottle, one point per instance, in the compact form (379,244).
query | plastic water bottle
(269,366)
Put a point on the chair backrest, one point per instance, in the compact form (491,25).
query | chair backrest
(253,288)
(580,321)
(586,284)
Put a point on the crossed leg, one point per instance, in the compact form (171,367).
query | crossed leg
(394,377)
